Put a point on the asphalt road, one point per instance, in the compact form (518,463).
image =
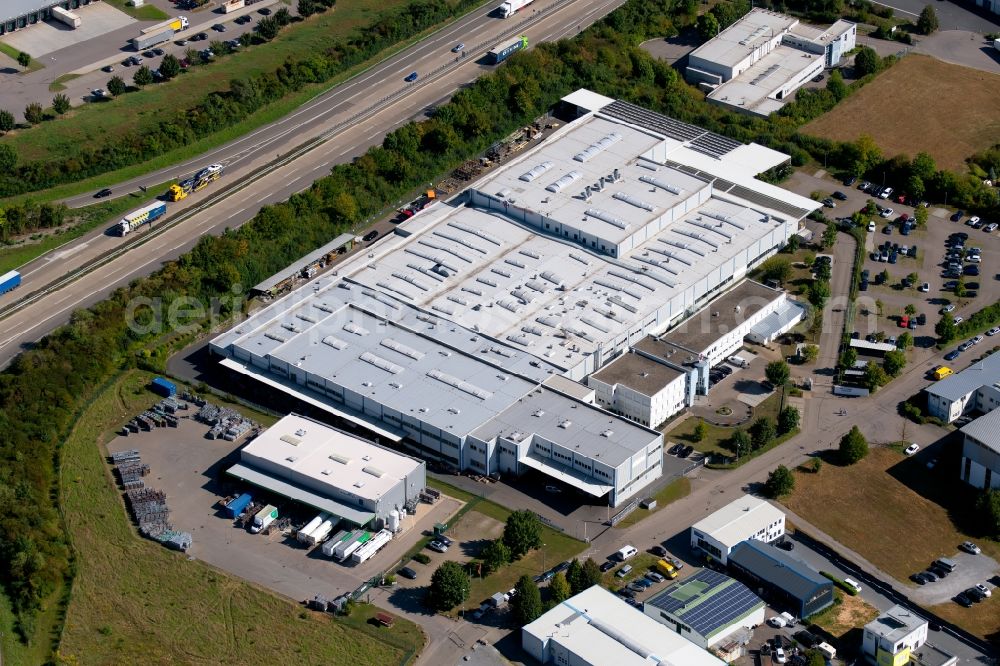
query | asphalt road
(951,16)
(251,153)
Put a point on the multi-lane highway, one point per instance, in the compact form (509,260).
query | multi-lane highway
(383,101)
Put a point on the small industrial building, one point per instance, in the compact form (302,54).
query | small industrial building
(748,517)
(974,389)
(332,471)
(981,451)
(755,64)
(597,628)
(305,267)
(17,14)
(707,608)
(662,374)
(899,636)
(785,580)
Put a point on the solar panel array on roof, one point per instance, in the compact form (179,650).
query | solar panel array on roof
(768,202)
(715,144)
(637,115)
(707,601)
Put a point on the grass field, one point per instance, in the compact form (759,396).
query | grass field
(10,51)
(144,13)
(912,506)
(135,601)
(717,435)
(958,119)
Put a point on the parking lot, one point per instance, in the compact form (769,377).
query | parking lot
(189,468)
(96,20)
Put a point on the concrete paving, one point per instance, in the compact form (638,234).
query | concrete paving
(96,20)
(960,47)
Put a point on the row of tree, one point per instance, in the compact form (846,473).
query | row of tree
(947,330)
(28,216)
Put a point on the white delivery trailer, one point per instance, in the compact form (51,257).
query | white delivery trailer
(331,543)
(264,518)
(304,533)
(511,7)
(372,546)
(66,16)
(347,547)
(320,533)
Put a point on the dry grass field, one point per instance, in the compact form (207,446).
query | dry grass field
(921,104)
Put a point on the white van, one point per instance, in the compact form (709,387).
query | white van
(853,584)
(738,361)
(627,552)
(827,650)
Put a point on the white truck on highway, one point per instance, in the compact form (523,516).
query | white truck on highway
(511,7)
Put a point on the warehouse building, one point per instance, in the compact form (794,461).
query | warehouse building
(755,64)
(18,14)
(973,389)
(443,334)
(708,608)
(597,628)
(745,518)
(981,451)
(781,578)
(899,636)
(331,471)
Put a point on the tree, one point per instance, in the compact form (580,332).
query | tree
(33,113)
(282,17)
(815,658)
(849,358)
(740,443)
(60,103)
(116,86)
(928,21)
(6,120)
(23,59)
(829,234)
(574,576)
(779,483)
(143,77)
(700,431)
(988,508)
(170,66)
(559,588)
(526,606)
(246,39)
(307,8)
(874,376)
(193,57)
(894,362)
(591,574)
(836,86)
(960,288)
(777,373)
(810,353)
(449,586)
(866,62)
(762,431)
(920,215)
(910,309)
(707,26)
(522,533)
(905,340)
(267,28)
(853,446)
(868,154)
(8,160)
(818,291)
(495,555)
(815,464)
(914,280)
(788,420)
(793,242)
(945,328)
(776,268)
(219,47)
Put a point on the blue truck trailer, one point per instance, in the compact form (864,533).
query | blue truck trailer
(499,54)
(9,281)
(164,388)
(236,507)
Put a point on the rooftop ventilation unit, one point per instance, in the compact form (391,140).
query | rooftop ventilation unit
(530,253)
(275,337)
(374,471)
(607,217)
(489,282)
(334,342)
(500,271)
(514,262)
(291,459)
(359,484)
(607,433)
(336,457)
(536,171)
(289,439)
(564,182)
(458,299)
(455,382)
(599,146)
(520,339)
(351,327)
(638,203)
(305,317)
(443,308)
(565,424)
(400,348)
(663,185)
(381,363)
(475,232)
(538,413)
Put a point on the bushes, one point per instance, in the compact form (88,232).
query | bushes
(423,558)
(839,583)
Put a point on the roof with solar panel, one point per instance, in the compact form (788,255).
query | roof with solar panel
(708,602)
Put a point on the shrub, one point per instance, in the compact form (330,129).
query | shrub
(423,558)
(779,483)
(853,446)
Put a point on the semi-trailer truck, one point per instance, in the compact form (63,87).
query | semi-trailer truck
(310,527)
(66,16)
(347,547)
(499,54)
(264,517)
(511,7)
(9,280)
(159,33)
(200,180)
(136,218)
(372,546)
(320,533)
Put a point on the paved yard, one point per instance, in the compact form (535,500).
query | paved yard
(96,20)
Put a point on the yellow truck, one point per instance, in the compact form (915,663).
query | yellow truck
(178,191)
(667,569)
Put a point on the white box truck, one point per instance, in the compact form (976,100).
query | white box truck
(264,518)
(372,546)
(66,16)
(320,533)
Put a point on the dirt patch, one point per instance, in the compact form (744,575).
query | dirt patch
(849,612)
(951,124)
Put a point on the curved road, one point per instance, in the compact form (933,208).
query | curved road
(332,112)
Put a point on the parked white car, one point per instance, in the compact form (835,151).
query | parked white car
(912,448)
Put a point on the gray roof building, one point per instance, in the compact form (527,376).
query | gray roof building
(793,582)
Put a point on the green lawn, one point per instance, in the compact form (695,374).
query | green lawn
(10,51)
(146,108)
(144,13)
(717,435)
(673,491)
(135,601)
(90,217)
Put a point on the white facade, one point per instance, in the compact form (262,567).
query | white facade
(976,387)
(745,518)
(981,451)
(597,628)
(641,389)
(893,635)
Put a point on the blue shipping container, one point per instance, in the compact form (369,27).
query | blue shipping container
(236,507)
(9,281)
(164,388)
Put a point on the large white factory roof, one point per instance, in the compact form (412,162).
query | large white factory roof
(751,90)
(326,456)
(738,41)
(600,628)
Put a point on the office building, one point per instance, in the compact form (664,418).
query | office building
(745,518)
(785,581)
(899,636)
